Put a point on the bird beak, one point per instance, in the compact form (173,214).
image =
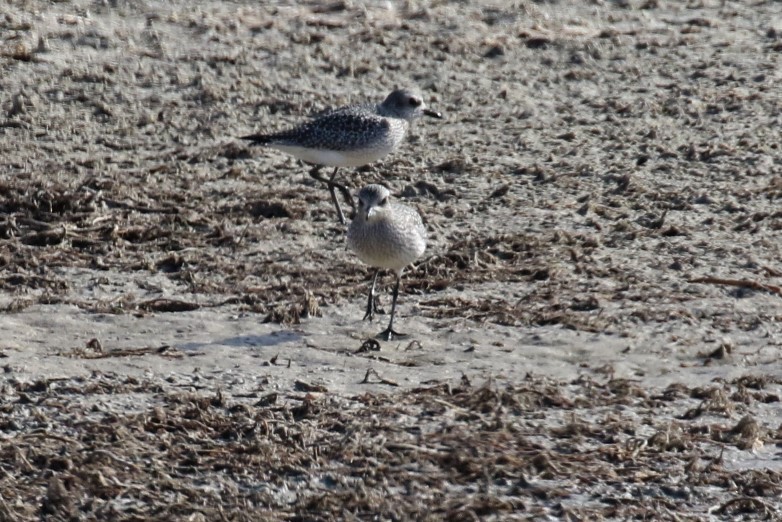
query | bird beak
(433,114)
(371,211)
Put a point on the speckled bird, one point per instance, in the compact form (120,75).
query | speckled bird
(385,235)
(349,136)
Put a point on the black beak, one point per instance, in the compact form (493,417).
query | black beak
(433,114)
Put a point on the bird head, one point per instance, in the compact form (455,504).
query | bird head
(407,104)
(372,199)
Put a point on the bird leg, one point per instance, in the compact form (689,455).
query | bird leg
(345,193)
(315,173)
(371,306)
(389,333)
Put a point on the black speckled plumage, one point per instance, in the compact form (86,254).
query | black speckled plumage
(364,127)
(341,130)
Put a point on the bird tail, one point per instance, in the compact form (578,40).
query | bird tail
(257,139)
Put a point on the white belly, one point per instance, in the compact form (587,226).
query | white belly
(332,158)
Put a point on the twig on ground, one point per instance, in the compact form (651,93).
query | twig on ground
(372,371)
(741,283)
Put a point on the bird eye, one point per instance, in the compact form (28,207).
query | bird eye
(415,102)
(384,202)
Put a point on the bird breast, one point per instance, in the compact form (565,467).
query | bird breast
(388,244)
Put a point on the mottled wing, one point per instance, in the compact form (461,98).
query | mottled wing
(411,219)
(341,130)
(421,227)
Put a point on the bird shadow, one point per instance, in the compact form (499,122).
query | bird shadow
(246,341)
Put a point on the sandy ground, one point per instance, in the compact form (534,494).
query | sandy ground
(594,332)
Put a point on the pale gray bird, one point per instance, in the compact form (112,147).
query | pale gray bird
(385,234)
(349,136)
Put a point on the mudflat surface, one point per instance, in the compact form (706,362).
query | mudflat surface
(594,331)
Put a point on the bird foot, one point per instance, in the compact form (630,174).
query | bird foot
(389,334)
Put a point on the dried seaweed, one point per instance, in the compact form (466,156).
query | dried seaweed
(456,452)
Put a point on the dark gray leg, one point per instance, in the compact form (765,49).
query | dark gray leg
(345,193)
(389,333)
(371,301)
(315,173)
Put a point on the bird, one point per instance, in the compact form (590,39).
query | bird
(385,235)
(350,136)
